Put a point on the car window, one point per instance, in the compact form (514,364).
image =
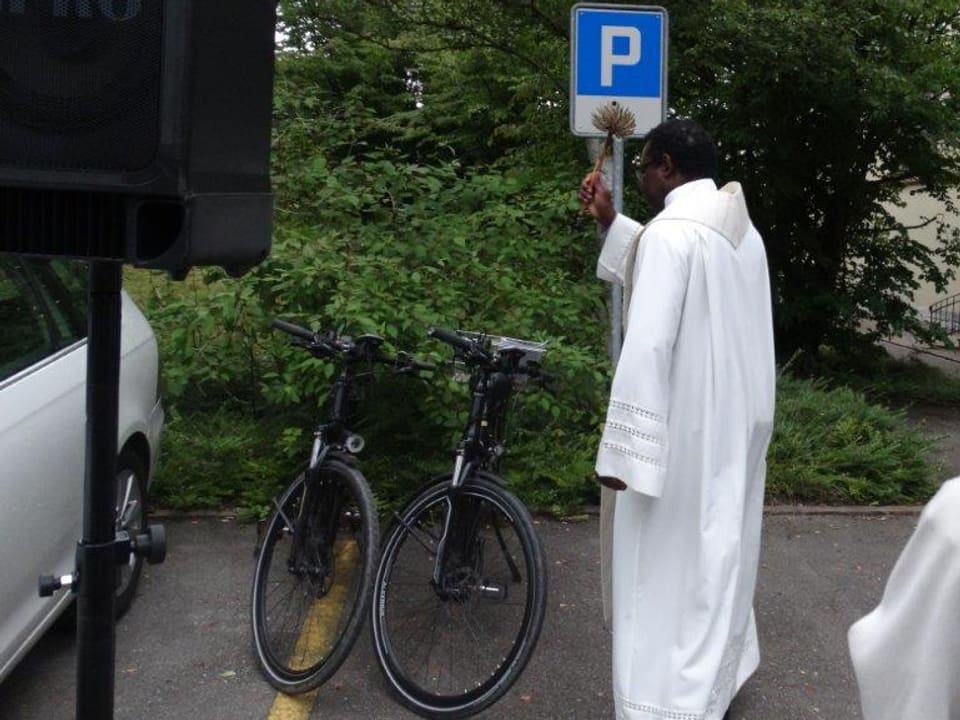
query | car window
(26,334)
(64,287)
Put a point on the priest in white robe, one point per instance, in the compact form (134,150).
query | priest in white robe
(686,434)
(906,652)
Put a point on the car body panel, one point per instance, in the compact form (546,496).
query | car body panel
(42,447)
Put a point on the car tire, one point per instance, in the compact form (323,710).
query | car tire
(128,462)
(131,516)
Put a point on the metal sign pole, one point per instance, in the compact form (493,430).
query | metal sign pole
(618,59)
(616,290)
(612,172)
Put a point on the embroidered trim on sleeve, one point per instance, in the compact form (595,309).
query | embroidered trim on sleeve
(630,453)
(652,439)
(636,410)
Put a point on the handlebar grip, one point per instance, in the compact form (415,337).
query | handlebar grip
(292,329)
(404,363)
(451,338)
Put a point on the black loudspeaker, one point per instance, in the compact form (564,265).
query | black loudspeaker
(137,130)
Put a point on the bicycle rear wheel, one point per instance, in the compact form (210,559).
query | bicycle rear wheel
(308,607)
(450,652)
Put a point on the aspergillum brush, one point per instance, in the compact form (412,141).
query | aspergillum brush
(616,121)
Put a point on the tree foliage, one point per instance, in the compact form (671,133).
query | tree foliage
(826,111)
(425,174)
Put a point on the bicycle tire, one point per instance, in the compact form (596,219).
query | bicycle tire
(452,657)
(305,624)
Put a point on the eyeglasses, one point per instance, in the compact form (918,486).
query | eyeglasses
(642,167)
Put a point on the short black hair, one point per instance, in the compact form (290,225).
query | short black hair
(689,145)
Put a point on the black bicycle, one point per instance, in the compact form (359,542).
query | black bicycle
(315,565)
(460,592)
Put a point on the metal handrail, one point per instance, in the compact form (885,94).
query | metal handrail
(946,312)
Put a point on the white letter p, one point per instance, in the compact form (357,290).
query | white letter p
(608,58)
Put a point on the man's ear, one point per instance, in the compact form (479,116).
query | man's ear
(669,168)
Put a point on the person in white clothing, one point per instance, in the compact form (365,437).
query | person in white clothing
(685,440)
(906,652)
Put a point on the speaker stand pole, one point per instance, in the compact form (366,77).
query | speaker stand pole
(96,553)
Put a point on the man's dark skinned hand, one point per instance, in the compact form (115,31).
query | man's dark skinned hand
(611,482)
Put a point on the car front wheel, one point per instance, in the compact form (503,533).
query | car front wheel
(130,516)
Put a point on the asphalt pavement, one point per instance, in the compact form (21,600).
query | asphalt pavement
(183,651)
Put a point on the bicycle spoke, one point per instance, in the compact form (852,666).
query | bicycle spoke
(417,533)
(288,524)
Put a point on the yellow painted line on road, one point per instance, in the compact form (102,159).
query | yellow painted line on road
(317,634)
(292,707)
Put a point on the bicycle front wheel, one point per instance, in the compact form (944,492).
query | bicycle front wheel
(451,649)
(311,593)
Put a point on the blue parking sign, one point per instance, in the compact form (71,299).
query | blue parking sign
(618,54)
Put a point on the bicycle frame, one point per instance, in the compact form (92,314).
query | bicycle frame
(480,448)
(483,442)
(331,435)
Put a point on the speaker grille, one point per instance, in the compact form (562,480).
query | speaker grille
(80,84)
(53,222)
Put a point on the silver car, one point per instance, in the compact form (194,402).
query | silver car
(43,359)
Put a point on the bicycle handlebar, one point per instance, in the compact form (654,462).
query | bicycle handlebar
(292,329)
(364,347)
(452,338)
(475,353)
(405,361)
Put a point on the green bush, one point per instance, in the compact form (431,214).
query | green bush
(223,458)
(830,446)
(833,446)
(370,240)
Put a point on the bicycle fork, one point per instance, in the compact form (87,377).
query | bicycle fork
(315,494)
(461,540)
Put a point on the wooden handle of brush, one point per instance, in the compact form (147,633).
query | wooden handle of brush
(597,166)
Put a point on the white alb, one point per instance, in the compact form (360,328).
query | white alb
(687,429)
(906,653)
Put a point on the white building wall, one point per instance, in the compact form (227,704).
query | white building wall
(919,208)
